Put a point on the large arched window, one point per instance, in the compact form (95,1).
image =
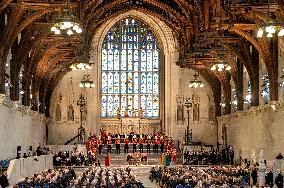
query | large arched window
(130,71)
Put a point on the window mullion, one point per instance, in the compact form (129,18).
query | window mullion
(107,115)
(152,72)
(139,65)
(119,71)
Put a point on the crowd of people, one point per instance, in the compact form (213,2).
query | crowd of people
(92,144)
(186,176)
(41,150)
(96,177)
(135,142)
(76,158)
(270,180)
(201,157)
(60,178)
(209,157)
(103,177)
(63,158)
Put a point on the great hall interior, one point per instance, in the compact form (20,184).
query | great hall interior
(198,76)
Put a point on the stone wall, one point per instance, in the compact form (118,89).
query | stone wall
(66,93)
(19,126)
(27,167)
(255,128)
(203,130)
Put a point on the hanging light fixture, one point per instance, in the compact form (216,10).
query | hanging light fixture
(220,67)
(271,28)
(81,64)
(66,23)
(87,82)
(195,83)
(221,64)
(268,30)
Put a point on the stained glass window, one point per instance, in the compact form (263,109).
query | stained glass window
(130,71)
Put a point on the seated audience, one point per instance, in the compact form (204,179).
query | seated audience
(50,178)
(201,158)
(62,159)
(186,176)
(105,177)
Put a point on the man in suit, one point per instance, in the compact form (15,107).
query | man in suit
(109,142)
(269,178)
(126,142)
(254,176)
(100,143)
(117,142)
(279,180)
(4,182)
(134,143)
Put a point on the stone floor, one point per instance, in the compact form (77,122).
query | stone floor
(142,174)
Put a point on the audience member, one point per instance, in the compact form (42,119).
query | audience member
(279,180)
(4,182)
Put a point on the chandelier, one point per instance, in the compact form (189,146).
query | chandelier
(195,83)
(66,24)
(270,29)
(220,67)
(81,64)
(221,63)
(87,82)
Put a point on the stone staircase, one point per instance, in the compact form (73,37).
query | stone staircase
(120,159)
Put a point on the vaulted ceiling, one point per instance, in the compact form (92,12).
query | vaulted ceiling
(196,24)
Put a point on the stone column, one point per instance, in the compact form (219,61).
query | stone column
(255,83)
(261,74)
(280,70)
(245,87)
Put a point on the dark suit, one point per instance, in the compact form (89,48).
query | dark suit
(279,180)
(4,181)
(254,176)
(269,179)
